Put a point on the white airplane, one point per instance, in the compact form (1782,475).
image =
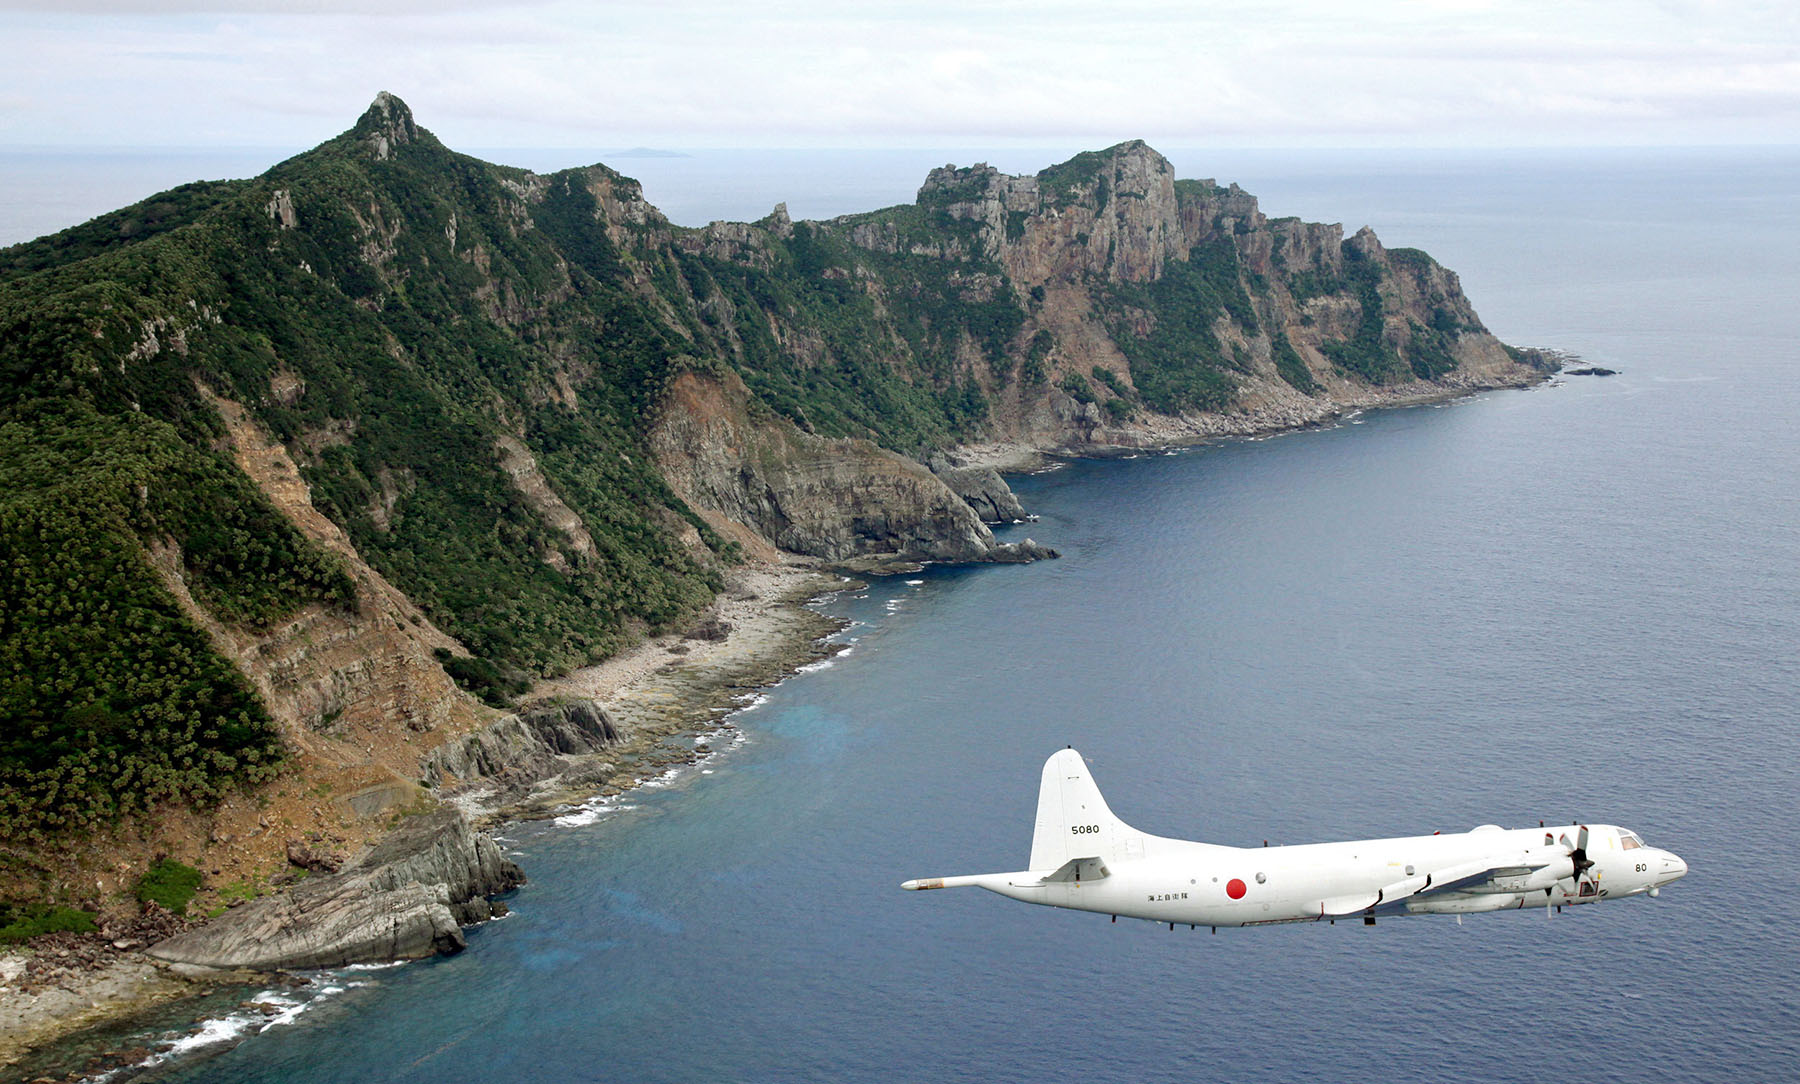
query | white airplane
(1084,858)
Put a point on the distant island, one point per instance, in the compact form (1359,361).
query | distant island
(384,477)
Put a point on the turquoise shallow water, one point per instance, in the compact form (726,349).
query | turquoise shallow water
(1577,601)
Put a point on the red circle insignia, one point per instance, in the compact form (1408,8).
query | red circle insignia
(1235,888)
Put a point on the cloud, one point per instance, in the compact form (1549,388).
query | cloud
(257,7)
(707,73)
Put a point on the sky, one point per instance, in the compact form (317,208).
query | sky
(939,73)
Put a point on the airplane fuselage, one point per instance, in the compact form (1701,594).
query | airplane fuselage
(1085,858)
(1203,884)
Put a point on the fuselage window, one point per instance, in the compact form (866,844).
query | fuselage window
(1629,842)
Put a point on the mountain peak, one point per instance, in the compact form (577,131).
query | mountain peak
(386,124)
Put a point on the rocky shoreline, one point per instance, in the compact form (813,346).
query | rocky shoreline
(1278,414)
(599,731)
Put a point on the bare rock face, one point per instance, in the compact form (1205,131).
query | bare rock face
(982,488)
(836,499)
(370,666)
(441,849)
(1019,553)
(313,859)
(1112,214)
(522,749)
(387,124)
(404,900)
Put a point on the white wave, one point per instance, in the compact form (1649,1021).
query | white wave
(815,667)
(237,1026)
(914,583)
(663,780)
(592,812)
(222,1030)
(290,1009)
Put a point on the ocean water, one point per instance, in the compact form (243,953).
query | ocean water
(1578,601)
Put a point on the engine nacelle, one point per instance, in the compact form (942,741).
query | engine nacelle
(1465,905)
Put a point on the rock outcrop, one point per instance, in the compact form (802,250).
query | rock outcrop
(840,500)
(982,489)
(1305,324)
(406,899)
(508,759)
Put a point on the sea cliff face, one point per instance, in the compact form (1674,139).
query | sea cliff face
(838,499)
(407,898)
(308,477)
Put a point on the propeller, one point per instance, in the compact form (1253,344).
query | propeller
(1579,862)
(1579,855)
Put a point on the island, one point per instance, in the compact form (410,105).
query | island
(346,508)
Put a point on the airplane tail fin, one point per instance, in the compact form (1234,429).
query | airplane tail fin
(1073,821)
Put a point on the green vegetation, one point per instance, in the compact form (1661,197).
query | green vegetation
(1181,365)
(169,884)
(892,327)
(138,222)
(1112,382)
(1366,354)
(1290,365)
(481,677)
(1311,282)
(438,343)
(407,311)
(24,921)
(111,699)
(1077,388)
(1062,182)
(238,891)
(1032,371)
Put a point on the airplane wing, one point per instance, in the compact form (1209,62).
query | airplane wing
(1453,878)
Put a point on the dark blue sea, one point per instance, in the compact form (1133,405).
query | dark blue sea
(1579,601)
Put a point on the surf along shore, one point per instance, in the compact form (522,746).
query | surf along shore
(660,695)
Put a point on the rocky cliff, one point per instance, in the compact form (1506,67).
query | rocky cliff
(838,499)
(407,898)
(508,760)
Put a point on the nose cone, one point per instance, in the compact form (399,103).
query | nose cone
(1670,868)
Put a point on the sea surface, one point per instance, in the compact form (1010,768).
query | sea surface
(1578,601)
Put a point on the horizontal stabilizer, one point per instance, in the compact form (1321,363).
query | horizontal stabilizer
(1076,870)
(992,881)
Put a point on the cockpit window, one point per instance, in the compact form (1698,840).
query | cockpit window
(1628,841)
